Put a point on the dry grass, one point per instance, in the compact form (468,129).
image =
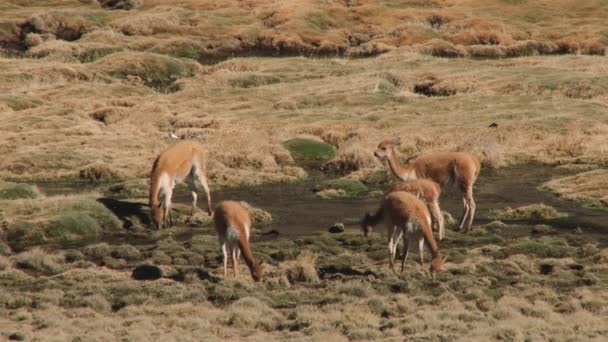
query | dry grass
(335,293)
(538,211)
(589,188)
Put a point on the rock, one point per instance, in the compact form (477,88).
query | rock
(153,272)
(337,228)
(147,272)
(542,229)
(576,267)
(546,268)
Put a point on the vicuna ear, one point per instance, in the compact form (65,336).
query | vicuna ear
(445,258)
(261,263)
(397,141)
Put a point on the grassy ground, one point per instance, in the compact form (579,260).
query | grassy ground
(92,94)
(322,286)
(99,101)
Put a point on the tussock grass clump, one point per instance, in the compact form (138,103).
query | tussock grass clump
(254,80)
(543,247)
(134,188)
(350,158)
(20,102)
(11,191)
(259,217)
(340,188)
(98,172)
(73,228)
(38,261)
(65,221)
(302,269)
(530,212)
(156,71)
(442,48)
(251,313)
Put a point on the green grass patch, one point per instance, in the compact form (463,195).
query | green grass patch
(254,80)
(11,191)
(310,150)
(544,247)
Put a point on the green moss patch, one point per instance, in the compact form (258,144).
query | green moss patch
(308,150)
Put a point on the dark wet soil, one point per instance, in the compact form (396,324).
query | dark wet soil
(296,210)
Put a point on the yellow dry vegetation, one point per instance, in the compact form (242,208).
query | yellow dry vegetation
(589,188)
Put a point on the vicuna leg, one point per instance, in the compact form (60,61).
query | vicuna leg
(192,188)
(235,261)
(406,249)
(167,219)
(465,213)
(421,250)
(391,231)
(203,180)
(225,254)
(437,216)
(471,204)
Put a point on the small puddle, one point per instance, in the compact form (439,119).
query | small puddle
(296,210)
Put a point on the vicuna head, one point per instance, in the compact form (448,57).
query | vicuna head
(366,224)
(437,263)
(385,148)
(257,270)
(158,216)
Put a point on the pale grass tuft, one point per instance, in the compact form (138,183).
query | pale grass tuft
(301,270)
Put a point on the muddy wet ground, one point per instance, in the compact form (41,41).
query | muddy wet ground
(297,211)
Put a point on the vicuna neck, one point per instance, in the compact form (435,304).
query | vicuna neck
(401,172)
(430,239)
(247,255)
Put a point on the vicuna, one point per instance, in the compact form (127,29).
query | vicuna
(429,191)
(233,224)
(460,167)
(183,162)
(402,213)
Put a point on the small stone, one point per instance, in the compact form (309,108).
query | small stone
(337,228)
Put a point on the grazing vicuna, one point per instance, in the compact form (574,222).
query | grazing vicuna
(460,167)
(427,190)
(232,224)
(183,162)
(404,212)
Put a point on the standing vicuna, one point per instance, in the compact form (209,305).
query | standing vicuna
(183,162)
(232,224)
(460,167)
(429,191)
(404,212)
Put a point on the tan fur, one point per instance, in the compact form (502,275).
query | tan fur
(429,191)
(183,162)
(460,167)
(404,212)
(232,224)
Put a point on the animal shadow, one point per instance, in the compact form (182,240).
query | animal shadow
(126,211)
